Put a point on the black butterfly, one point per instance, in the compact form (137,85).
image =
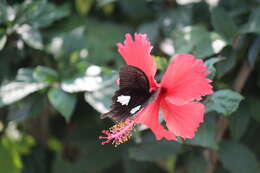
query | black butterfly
(133,94)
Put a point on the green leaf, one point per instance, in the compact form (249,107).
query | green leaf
(26,108)
(63,45)
(151,29)
(223,24)
(83,6)
(156,150)
(254,51)
(31,36)
(3,12)
(45,74)
(196,40)
(171,163)
(106,41)
(206,134)
(253,24)
(224,102)
(10,160)
(11,151)
(176,18)
(239,122)
(14,91)
(100,99)
(201,41)
(161,62)
(210,67)
(181,42)
(40,13)
(62,102)
(3,39)
(25,75)
(93,79)
(237,158)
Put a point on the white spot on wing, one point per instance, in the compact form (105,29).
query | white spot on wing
(135,109)
(124,100)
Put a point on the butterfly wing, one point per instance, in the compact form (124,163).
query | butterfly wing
(131,96)
(133,77)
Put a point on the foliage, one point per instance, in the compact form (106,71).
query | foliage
(59,65)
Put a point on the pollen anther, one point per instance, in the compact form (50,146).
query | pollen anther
(119,133)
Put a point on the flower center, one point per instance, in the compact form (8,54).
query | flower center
(119,133)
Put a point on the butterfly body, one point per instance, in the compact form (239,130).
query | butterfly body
(132,95)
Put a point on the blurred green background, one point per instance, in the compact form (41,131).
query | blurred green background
(58,67)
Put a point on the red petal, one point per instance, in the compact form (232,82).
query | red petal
(137,53)
(149,117)
(185,80)
(183,120)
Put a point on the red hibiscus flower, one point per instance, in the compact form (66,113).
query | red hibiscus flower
(140,97)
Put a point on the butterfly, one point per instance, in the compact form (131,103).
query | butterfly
(133,94)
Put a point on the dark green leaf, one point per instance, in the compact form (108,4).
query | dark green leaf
(92,159)
(206,134)
(156,150)
(196,164)
(228,62)
(62,102)
(224,102)
(135,8)
(40,13)
(29,107)
(239,122)
(237,158)
(200,13)
(90,155)
(132,166)
(210,67)
(223,24)
(45,74)
(254,108)
(254,51)
(253,24)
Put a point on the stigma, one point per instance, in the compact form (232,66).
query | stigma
(119,133)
